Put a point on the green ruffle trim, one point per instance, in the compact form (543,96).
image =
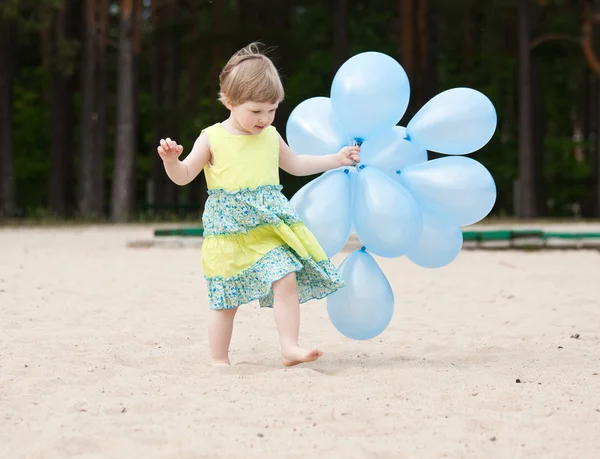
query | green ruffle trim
(260,188)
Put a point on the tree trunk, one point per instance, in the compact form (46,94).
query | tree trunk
(138,26)
(197,189)
(98,172)
(415,52)
(594,133)
(590,17)
(7,166)
(538,134)
(416,42)
(595,103)
(137,34)
(596,196)
(123,185)
(165,192)
(426,41)
(158,171)
(88,116)
(171,90)
(61,94)
(340,33)
(526,200)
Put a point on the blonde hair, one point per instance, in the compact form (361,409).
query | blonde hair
(250,76)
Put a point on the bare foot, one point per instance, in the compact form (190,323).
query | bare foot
(221,363)
(295,355)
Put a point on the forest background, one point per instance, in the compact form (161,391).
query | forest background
(88,87)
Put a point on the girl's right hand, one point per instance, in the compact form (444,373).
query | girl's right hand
(169,151)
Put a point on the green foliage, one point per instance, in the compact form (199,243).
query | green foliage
(67,56)
(31,137)
(30,15)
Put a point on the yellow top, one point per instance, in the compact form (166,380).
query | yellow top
(242,161)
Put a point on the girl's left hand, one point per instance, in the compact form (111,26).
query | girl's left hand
(349,156)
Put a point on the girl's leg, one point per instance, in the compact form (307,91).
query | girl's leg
(287,317)
(220,328)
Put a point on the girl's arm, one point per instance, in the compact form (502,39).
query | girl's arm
(310,165)
(183,172)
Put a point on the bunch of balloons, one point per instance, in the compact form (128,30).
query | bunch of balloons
(396,201)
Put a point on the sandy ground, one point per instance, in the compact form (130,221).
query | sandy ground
(103,354)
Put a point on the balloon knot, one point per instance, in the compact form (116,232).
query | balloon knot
(406,137)
(359,141)
(362,166)
(363,249)
(347,171)
(398,172)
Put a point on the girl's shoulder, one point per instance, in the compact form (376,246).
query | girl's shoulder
(216,134)
(211,130)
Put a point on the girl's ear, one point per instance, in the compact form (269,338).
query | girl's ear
(227,103)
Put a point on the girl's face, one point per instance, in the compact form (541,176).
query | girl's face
(254,117)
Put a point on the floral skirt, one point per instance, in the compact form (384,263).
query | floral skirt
(254,237)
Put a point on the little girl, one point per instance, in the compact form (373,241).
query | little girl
(256,247)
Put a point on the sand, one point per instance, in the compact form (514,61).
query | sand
(103,354)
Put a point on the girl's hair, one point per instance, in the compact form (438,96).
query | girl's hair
(250,76)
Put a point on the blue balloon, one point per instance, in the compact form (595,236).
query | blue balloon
(364,307)
(439,245)
(391,152)
(325,207)
(456,188)
(369,93)
(455,122)
(386,216)
(312,128)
